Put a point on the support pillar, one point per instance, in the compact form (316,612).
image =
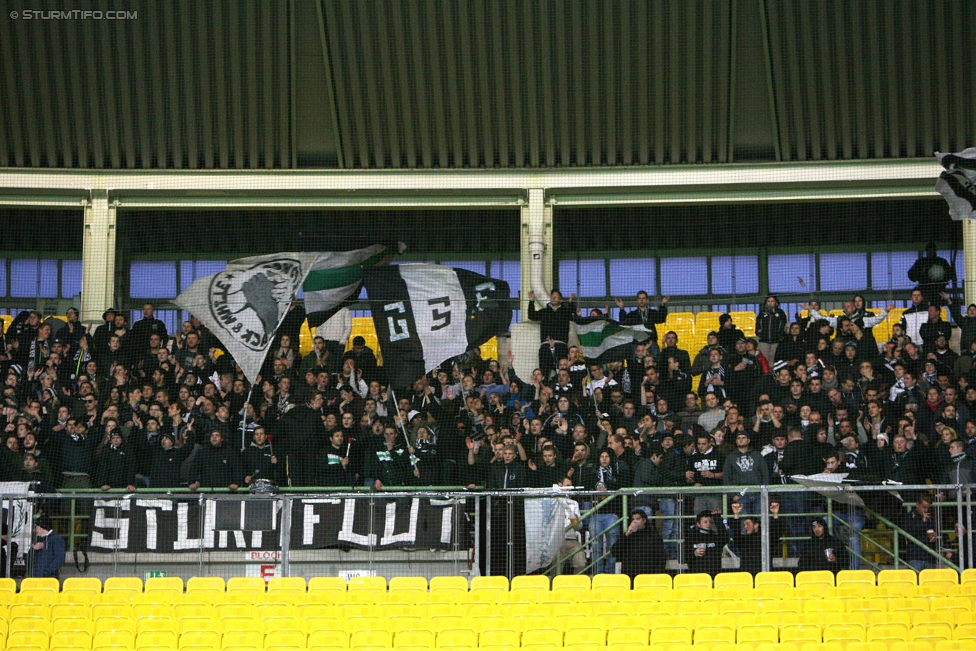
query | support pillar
(969,256)
(536,224)
(98,258)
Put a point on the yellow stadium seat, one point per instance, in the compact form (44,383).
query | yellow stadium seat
(817,577)
(943,575)
(692,581)
(327,637)
(733,580)
(586,635)
(953,645)
(50,584)
(408,583)
(65,612)
(917,645)
(968,576)
(457,637)
(670,635)
(886,577)
(122,583)
(161,639)
(714,633)
(196,583)
(775,646)
(537,581)
(414,638)
(367,583)
(757,633)
(296,583)
(965,632)
(868,646)
(242,640)
(318,583)
(200,638)
(82,584)
(542,636)
(632,635)
(448,583)
(94,648)
(164,583)
(76,639)
(114,638)
(931,632)
(580,582)
(824,646)
(845,577)
(655,581)
(746,321)
(246,584)
(764,579)
(890,632)
(504,637)
(45,597)
(40,625)
(799,633)
(489,583)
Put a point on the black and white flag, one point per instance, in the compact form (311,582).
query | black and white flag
(427,314)
(958,183)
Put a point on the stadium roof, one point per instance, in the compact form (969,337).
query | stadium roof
(485,84)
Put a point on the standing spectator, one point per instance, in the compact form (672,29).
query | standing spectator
(745,467)
(364,358)
(217,465)
(645,316)
(639,550)
(670,349)
(920,525)
(770,327)
(605,476)
(114,468)
(704,543)
(554,318)
(47,553)
(706,470)
(166,462)
(259,459)
(138,336)
(932,273)
(335,333)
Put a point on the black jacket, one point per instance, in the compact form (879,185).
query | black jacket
(814,555)
(257,462)
(114,468)
(165,467)
(508,475)
(554,321)
(647,318)
(332,472)
(642,552)
(713,541)
(771,326)
(750,545)
(218,467)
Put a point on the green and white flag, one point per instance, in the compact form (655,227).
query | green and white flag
(607,341)
(335,278)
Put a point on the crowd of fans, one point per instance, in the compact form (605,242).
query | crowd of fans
(120,406)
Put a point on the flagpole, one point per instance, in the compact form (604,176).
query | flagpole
(250,395)
(397,407)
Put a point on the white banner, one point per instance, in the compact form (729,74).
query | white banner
(244,304)
(545,530)
(19,515)
(439,310)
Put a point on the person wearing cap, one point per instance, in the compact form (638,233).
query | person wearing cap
(822,551)
(104,331)
(114,466)
(47,552)
(728,332)
(166,461)
(640,549)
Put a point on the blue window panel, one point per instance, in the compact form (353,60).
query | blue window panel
(477,266)
(510,271)
(684,276)
(32,278)
(746,277)
(890,270)
(585,278)
(190,270)
(785,272)
(172,319)
(843,272)
(362,294)
(631,275)
(3,277)
(70,278)
(960,264)
(152,280)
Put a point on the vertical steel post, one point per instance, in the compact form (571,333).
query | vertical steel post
(477,532)
(285,543)
(488,536)
(767,562)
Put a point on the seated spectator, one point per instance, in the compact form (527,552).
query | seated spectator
(822,551)
(748,540)
(704,543)
(640,549)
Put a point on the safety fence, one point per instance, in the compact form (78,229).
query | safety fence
(452,531)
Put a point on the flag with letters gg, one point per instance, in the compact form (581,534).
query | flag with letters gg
(427,314)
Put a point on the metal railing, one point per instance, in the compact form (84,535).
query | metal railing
(429,531)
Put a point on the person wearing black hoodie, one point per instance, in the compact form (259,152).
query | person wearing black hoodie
(166,461)
(640,549)
(217,465)
(822,551)
(704,543)
(770,327)
(259,459)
